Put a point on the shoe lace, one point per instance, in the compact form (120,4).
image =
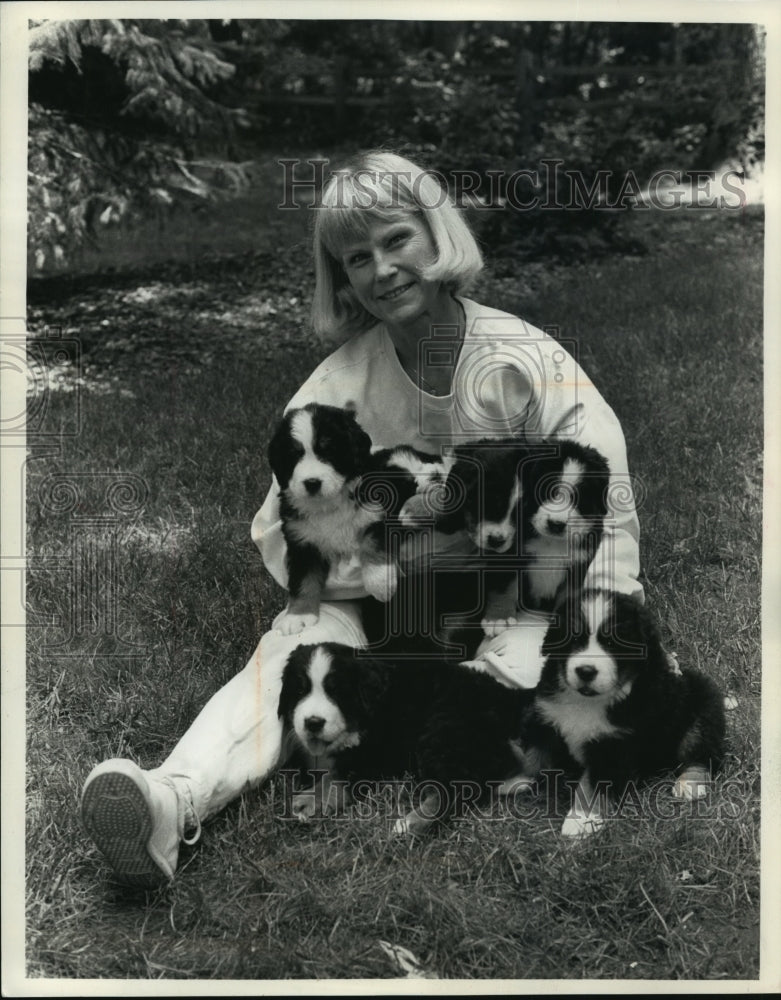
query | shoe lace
(187,818)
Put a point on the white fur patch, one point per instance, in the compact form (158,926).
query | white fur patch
(598,610)
(573,472)
(578,719)
(334,528)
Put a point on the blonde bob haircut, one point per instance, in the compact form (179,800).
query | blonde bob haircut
(382,185)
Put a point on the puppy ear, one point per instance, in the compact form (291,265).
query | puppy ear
(367,680)
(361,442)
(293,681)
(277,449)
(372,686)
(564,617)
(461,481)
(649,630)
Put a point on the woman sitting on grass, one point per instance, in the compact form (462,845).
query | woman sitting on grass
(421,365)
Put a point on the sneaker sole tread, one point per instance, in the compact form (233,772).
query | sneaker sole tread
(116,815)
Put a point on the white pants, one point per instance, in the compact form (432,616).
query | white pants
(236,740)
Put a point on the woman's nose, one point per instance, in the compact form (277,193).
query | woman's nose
(384,265)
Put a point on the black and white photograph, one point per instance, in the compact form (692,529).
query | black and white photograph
(389,448)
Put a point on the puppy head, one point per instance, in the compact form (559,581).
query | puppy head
(329,696)
(317,450)
(565,493)
(485,483)
(598,644)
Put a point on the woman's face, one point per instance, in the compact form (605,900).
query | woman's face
(384,269)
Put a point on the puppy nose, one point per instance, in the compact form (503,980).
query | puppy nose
(312,486)
(314,723)
(586,673)
(556,527)
(495,541)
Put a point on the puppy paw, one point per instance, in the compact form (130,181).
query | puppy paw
(304,805)
(380,581)
(292,624)
(412,825)
(577,824)
(416,509)
(500,671)
(692,784)
(673,665)
(475,665)
(495,626)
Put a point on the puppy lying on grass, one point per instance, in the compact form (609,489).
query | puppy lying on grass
(608,710)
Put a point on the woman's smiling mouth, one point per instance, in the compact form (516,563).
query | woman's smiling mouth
(395,292)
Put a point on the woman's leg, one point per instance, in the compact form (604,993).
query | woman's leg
(138,818)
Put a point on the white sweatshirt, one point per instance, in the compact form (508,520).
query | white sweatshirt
(509,377)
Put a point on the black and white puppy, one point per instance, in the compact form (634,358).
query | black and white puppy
(484,492)
(608,691)
(564,506)
(337,496)
(535,512)
(362,718)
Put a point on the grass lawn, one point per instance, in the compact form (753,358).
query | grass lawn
(184,369)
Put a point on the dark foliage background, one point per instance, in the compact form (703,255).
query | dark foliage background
(129,118)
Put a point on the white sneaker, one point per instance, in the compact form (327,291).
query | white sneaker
(137,821)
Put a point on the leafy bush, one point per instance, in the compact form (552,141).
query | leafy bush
(116,109)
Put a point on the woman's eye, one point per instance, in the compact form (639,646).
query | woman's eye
(396,239)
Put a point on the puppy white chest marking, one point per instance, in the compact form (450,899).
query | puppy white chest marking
(333,528)
(578,719)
